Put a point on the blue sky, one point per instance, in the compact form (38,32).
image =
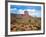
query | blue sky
(25,7)
(33,10)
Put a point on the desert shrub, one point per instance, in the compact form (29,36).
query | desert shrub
(29,20)
(13,21)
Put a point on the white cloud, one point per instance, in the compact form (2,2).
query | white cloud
(21,11)
(35,13)
(32,10)
(14,9)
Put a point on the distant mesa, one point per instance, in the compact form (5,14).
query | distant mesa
(25,15)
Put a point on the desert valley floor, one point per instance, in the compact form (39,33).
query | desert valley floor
(20,22)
